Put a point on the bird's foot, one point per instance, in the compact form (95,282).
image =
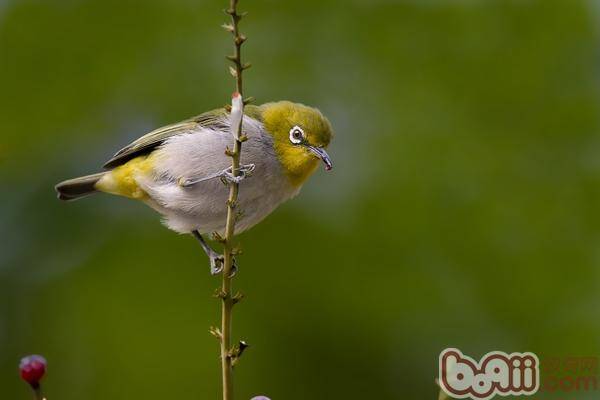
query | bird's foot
(244,171)
(217,262)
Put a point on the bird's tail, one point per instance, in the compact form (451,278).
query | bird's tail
(78,187)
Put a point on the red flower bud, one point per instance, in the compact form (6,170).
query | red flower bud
(32,369)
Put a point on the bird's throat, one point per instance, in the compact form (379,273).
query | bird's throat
(296,162)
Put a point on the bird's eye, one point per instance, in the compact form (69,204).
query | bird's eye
(296,135)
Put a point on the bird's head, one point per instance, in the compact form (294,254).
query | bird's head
(300,135)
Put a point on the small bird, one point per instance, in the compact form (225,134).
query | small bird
(179,169)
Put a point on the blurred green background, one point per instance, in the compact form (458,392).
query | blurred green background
(462,209)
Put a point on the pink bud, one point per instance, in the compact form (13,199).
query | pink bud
(33,369)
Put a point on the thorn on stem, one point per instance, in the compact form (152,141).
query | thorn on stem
(243,346)
(239,215)
(238,297)
(227,27)
(218,238)
(216,332)
(220,294)
(236,352)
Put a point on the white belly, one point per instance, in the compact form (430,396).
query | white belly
(203,206)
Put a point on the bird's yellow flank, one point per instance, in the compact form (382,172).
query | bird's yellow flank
(121,180)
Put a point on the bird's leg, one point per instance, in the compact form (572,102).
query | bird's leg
(226,176)
(216,259)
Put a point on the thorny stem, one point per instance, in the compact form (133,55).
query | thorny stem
(228,301)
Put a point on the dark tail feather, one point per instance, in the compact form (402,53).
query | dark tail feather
(78,187)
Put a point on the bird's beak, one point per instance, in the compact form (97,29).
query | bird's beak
(322,154)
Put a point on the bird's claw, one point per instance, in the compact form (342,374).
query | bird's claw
(217,262)
(244,171)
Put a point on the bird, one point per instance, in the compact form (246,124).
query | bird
(179,169)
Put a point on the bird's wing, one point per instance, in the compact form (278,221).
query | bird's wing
(215,119)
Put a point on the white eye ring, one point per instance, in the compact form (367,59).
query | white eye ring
(296,134)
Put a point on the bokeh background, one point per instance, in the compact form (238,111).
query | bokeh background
(462,209)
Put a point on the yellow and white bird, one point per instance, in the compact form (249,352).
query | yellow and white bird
(176,169)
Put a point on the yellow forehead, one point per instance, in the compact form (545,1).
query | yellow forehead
(279,118)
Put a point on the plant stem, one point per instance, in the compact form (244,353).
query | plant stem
(228,249)
(37,393)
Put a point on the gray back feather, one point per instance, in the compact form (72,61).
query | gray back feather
(215,119)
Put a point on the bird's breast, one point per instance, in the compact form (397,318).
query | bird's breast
(202,206)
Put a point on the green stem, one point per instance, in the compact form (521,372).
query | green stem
(226,285)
